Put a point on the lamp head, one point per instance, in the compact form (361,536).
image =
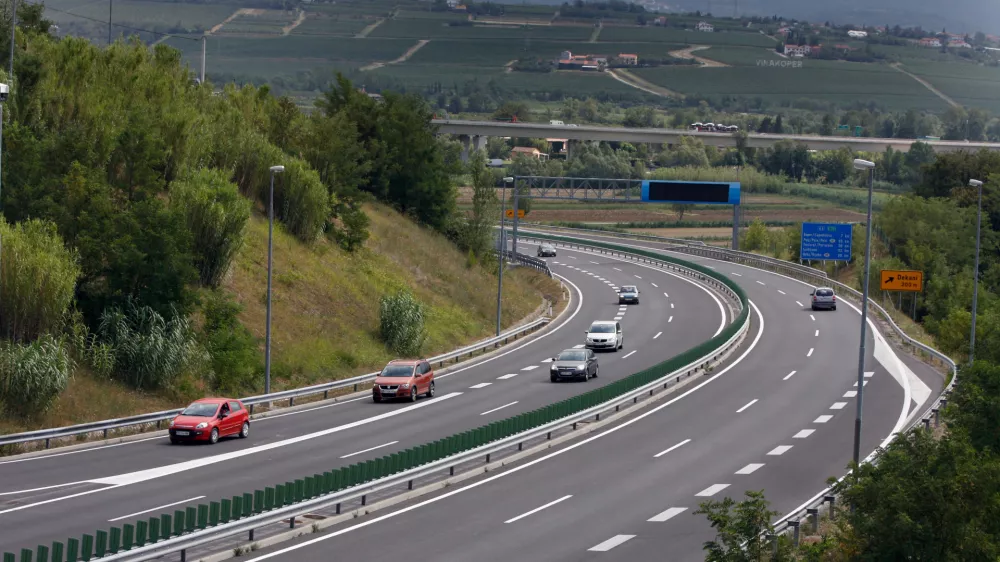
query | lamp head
(975,183)
(860,164)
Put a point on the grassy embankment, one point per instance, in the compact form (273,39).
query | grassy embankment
(325,311)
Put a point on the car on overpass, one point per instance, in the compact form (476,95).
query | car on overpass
(627,294)
(404,378)
(574,364)
(546,250)
(823,297)
(209,419)
(605,334)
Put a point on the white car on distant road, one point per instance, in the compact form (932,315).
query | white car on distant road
(605,334)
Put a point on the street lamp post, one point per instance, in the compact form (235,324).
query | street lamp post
(975,284)
(503,246)
(870,166)
(270,253)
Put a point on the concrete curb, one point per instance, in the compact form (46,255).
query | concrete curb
(125,439)
(316,526)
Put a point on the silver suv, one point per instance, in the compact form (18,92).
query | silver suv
(823,297)
(546,250)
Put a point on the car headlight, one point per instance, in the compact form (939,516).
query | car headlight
(553,368)
(375,385)
(201,425)
(580,367)
(405,385)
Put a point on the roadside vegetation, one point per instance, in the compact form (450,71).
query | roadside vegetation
(135,234)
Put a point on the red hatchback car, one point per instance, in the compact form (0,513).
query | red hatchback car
(404,379)
(209,419)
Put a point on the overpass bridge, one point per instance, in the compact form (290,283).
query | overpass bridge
(474,134)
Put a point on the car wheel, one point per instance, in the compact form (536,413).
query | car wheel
(413,393)
(814,308)
(174,440)
(214,437)
(597,370)
(586,376)
(376,398)
(835,307)
(430,390)
(245,430)
(552,378)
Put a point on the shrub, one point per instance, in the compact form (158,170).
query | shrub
(301,200)
(217,216)
(401,323)
(38,275)
(231,347)
(353,231)
(32,375)
(149,351)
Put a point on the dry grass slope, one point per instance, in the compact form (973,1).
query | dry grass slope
(325,311)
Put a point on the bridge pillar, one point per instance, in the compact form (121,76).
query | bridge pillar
(466,141)
(479,142)
(570,145)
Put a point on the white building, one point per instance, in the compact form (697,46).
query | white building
(857,34)
(705,26)
(797,50)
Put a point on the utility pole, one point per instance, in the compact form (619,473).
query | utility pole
(111,4)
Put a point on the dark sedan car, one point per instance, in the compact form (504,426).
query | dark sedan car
(574,364)
(546,250)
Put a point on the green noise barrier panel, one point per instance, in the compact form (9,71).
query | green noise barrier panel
(337,479)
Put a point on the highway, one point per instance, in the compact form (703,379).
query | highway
(64,494)
(779,417)
(672,136)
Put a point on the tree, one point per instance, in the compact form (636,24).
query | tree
(217,217)
(476,236)
(680,209)
(642,116)
(736,523)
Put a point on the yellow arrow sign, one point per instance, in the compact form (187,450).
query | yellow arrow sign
(896,280)
(510,213)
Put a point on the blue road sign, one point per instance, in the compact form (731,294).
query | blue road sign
(826,241)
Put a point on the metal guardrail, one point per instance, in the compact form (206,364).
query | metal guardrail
(406,478)
(106,426)
(528,261)
(791,521)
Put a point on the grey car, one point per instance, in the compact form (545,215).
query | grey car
(546,250)
(823,297)
(628,293)
(573,364)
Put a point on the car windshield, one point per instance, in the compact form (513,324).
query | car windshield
(546,247)
(629,289)
(200,410)
(602,328)
(572,356)
(397,371)
(824,293)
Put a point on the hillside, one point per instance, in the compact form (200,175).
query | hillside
(325,311)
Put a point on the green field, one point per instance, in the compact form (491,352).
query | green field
(684,37)
(430,29)
(492,52)
(293,47)
(740,56)
(838,82)
(322,24)
(968,84)
(270,21)
(557,84)
(158,16)
(380,8)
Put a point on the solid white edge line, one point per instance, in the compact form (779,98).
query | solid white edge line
(748,404)
(154,509)
(389,444)
(537,509)
(515,469)
(28,491)
(677,446)
(500,408)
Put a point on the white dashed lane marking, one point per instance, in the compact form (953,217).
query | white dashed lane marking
(657,335)
(789,375)
(838,405)
(712,490)
(779,450)
(611,543)
(481,385)
(530,368)
(803,434)
(823,419)
(750,468)
(667,515)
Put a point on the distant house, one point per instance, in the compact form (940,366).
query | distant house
(527,151)
(661,21)
(705,26)
(797,50)
(857,34)
(569,61)
(628,59)
(785,30)
(933,42)
(959,44)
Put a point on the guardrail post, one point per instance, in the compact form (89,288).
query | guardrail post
(43,553)
(178,523)
(26,555)
(9,557)
(814,513)
(937,417)
(831,499)
(128,538)
(927,424)
(165,526)
(101,546)
(773,539)
(154,529)
(795,532)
